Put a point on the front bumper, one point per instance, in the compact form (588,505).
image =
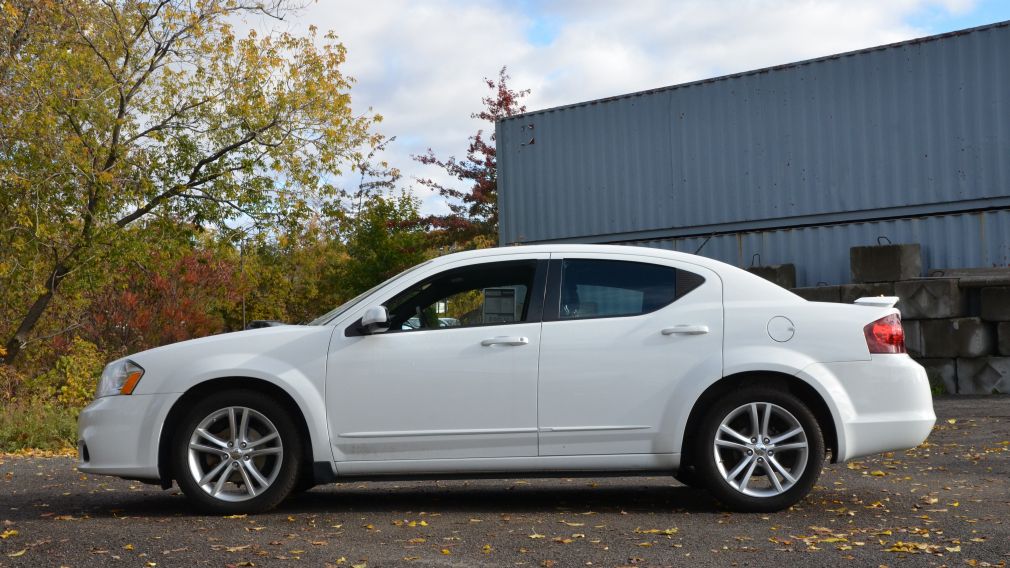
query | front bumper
(882,405)
(119,435)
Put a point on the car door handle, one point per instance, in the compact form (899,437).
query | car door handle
(686,330)
(505,340)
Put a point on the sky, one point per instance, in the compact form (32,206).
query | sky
(421,64)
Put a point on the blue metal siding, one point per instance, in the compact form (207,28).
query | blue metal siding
(821,254)
(912,129)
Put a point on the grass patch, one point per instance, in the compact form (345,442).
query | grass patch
(37,424)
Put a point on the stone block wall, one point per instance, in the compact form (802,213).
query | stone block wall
(957,322)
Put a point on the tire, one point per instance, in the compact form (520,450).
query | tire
(688,475)
(777,473)
(248,473)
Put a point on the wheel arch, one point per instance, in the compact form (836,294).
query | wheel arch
(178,412)
(790,383)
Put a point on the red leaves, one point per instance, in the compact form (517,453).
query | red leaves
(160,306)
(474,212)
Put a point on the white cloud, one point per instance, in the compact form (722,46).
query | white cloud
(420,65)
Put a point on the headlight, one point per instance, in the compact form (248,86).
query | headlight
(120,377)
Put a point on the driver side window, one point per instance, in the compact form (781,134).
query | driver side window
(477,295)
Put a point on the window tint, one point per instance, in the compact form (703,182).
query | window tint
(609,288)
(484,294)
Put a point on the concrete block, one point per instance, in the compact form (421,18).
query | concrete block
(913,337)
(820,293)
(957,337)
(852,292)
(1003,338)
(996,303)
(941,373)
(782,274)
(885,263)
(986,375)
(930,298)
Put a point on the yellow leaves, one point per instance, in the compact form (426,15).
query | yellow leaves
(956,548)
(536,536)
(878,473)
(416,541)
(668,532)
(562,540)
(486,549)
(235,516)
(571,524)
(18,553)
(407,523)
(237,548)
(913,547)
(127,547)
(952,421)
(445,551)
(8,533)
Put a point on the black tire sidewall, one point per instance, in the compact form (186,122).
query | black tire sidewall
(708,471)
(291,464)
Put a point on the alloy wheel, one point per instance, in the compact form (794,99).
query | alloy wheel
(235,454)
(761,449)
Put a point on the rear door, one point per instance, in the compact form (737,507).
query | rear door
(620,333)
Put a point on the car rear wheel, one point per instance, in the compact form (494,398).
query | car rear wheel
(237,452)
(761,450)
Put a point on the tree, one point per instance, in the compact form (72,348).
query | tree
(473,218)
(121,112)
(384,239)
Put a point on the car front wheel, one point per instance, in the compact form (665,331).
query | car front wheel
(237,452)
(761,450)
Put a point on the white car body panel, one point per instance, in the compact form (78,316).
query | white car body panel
(371,407)
(607,385)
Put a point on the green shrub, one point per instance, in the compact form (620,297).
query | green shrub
(38,424)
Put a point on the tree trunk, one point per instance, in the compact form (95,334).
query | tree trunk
(17,341)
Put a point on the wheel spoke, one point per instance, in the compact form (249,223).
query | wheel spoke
(739,467)
(727,430)
(771,475)
(243,427)
(213,473)
(262,440)
(221,481)
(747,476)
(264,452)
(767,418)
(793,446)
(207,449)
(249,487)
(250,466)
(775,463)
(233,427)
(203,433)
(755,425)
(787,435)
(731,445)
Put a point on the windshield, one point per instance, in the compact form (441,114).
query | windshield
(339,310)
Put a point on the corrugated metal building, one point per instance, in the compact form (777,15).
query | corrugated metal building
(795,163)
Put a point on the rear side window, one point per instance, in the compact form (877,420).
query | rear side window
(613,288)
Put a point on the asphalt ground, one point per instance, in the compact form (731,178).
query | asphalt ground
(945,503)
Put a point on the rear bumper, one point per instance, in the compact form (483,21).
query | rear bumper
(881,405)
(119,435)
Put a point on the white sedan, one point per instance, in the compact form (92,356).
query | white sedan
(559,360)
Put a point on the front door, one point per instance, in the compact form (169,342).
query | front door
(620,334)
(454,377)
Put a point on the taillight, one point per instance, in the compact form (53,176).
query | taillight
(885,335)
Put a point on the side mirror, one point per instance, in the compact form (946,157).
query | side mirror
(375,320)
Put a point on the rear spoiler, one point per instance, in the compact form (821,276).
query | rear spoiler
(878,301)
